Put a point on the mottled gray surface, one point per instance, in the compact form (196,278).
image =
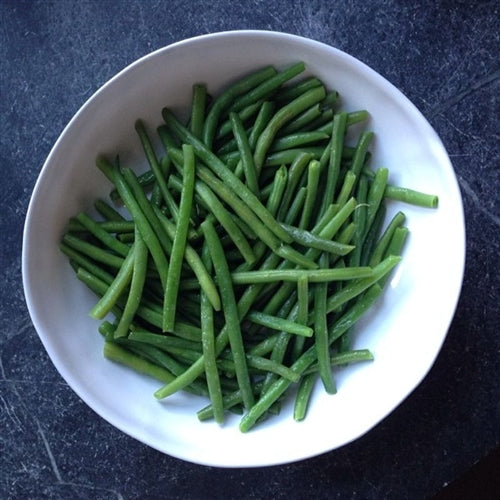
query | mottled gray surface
(442,54)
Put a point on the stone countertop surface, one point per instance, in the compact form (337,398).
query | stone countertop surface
(443,55)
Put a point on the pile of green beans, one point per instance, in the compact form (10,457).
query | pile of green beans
(236,266)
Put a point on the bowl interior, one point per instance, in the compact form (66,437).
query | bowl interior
(404,331)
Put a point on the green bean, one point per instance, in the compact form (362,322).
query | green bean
(311,240)
(359,220)
(208,344)
(274,202)
(266,365)
(324,119)
(344,358)
(376,194)
(197,112)
(226,175)
(346,189)
(411,196)
(109,226)
(230,310)
(179,243)
(165,342)
(303,396)
(120,355)
(146,180)
(261,121)
(295,173)
(265,346)
(335,223)
(156,168)
(294,256)
(395,248)
(284,115)
(225,99)
(245,152)
(329,213)
(313,172)
(385,239)
(287,156)
(293,275)
(280,324)
(136,286)
(372,234)
(360,153)
(302,121)
(116,288)
(406,195)
(166,361)
(333,172)
(296,140)
(321,332)
(302,299)
(296,206)
(257,365)
(330,99)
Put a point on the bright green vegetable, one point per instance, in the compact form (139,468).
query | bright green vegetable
(243,255)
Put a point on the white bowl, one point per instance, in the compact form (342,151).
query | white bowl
(405,330)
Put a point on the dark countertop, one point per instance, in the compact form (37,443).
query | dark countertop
(443,55)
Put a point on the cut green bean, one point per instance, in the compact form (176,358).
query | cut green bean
(293,275)
(179,243)
(280,324)
(313,172)
(120,355)
(155,167)
(230,310)
(198,106)
(107,211)
(321,333)
(102,235)
(385,239)
(245,153)
(303,396)
(333,172)
(136,286)
(116,288)
(208,345)
(310,240)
